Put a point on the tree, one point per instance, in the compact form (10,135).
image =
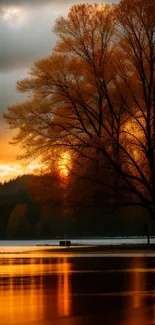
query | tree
(18,224)
(95,98)
(136,26)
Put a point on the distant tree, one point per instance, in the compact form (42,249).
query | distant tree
(18,224)
(94,97)
(48,192)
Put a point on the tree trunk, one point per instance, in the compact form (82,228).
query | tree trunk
(146,227)
(152,211)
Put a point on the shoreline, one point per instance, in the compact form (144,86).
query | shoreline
(95,241)
(81,247)
(82,251)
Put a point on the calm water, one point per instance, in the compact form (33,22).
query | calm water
(42,288)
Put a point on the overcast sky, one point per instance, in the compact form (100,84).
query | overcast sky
(25,36)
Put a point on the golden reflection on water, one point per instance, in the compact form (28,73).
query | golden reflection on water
(64,288)
(18,300)
(23,295)
(138,283)
(136,309)
(38,289)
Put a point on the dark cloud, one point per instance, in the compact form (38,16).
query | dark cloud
(21,2)
(22,45)
(23,42)
(19,50)
(8,94)
(33,2)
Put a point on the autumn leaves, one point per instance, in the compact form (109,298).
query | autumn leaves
(94,96)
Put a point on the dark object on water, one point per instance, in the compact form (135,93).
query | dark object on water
(65,243)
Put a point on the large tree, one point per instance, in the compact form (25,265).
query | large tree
(94,97)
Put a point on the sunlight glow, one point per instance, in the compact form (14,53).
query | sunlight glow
(64,287)
(134,133)
(100,6)
(64,164)
(34,167)
(11,171)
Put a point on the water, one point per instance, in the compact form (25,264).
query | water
(47,287)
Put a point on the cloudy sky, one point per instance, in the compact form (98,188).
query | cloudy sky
(25,36)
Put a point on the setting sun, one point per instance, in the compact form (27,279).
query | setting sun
(64,164)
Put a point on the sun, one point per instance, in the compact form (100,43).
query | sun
(64,164)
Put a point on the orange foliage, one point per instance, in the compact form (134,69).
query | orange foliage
(95,92)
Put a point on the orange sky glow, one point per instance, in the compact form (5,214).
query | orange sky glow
(11,168)
(11,171)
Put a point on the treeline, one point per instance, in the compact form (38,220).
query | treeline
(35,207)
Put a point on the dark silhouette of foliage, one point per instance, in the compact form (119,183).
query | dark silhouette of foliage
(94,98)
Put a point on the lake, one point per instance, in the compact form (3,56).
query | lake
(45,287)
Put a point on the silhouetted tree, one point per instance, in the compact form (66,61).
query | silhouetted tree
(94,97)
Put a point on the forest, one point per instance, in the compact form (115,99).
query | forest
(25,213)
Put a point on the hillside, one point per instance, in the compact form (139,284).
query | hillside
(26,213)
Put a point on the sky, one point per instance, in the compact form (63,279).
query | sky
(25,36)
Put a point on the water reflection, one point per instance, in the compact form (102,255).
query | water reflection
(20,298)
(138,282)
(44,289)
(64,288)
(25,293)
(137,309)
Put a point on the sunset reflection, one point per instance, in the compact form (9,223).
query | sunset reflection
(136,304)
(28,287)
(138,283)
(21,297)
(64,287)
(39,290)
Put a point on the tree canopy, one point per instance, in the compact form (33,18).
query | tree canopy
(94,98)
